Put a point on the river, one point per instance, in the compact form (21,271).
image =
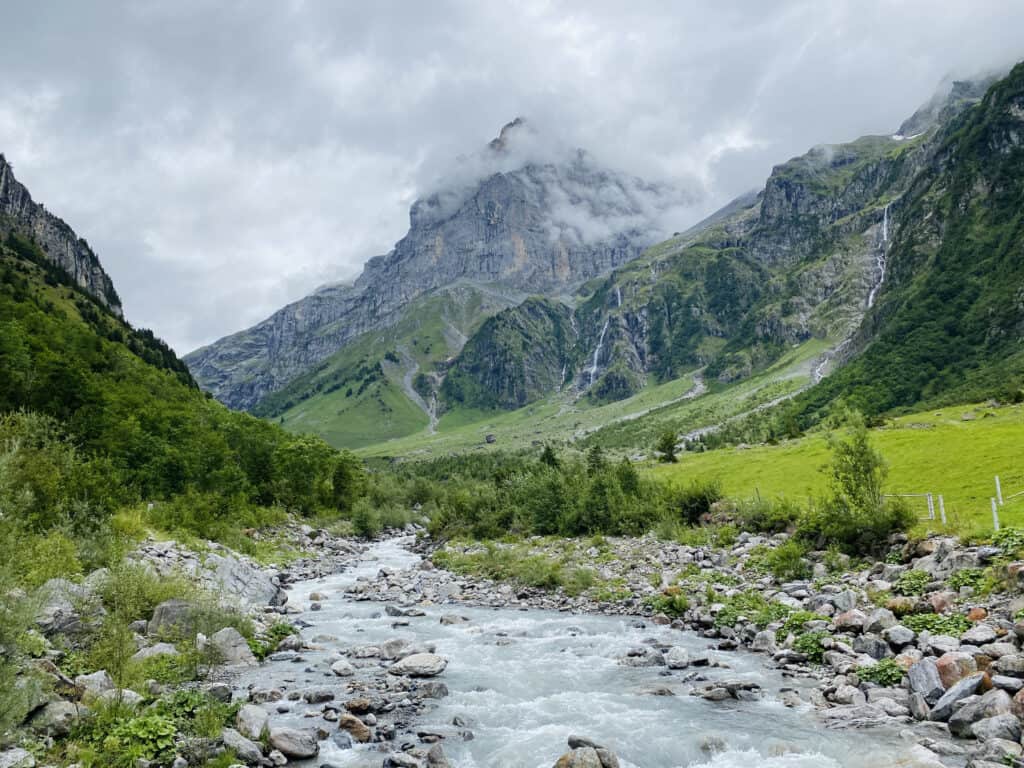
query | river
(522,681)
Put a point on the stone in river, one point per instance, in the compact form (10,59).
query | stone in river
(420,665)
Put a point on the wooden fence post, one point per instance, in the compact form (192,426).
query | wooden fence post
(995,515)
(999,491)
(942,508)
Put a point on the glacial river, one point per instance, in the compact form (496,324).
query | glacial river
(522,681)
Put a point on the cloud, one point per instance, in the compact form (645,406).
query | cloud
(225,158)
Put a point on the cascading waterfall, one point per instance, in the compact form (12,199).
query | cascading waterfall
(880,257)
(618,295)
(597,352)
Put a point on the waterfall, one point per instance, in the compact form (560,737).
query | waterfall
(618,295)
(597,352)
(880,258)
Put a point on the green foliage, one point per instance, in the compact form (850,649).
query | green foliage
(809,644)
(693,501)
(195,713)
(1010,540)
(855,516)
(505,563)
(671,602)
(938,624)
(666,446)
(266,643)
(18,686)
(752,605)
(911,583)
(787,562)
(966,577)
(133,590)
(795,623)
(769,516)
(886,673)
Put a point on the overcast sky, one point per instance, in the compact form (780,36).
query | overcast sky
(224,158)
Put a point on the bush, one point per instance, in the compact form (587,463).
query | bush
(768,516)
(855,516)
(133,590)
(911,583)
(795,624)
(886,673)
(18,688)
(953,625)
(809,644)
(691,502)
(786,562)
(671,602)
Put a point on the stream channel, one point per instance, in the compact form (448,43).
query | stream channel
(523,680)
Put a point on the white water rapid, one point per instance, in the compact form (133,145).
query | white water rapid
(521,681)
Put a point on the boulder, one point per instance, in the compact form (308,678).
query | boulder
(980,634)
(1011,665)
(56,718)
(924,679)
(94,684)
(943,708)
(240,581)
(124,696)
(354,727)
(898,636)
(850,621)
(954,667)
(677,658)
(231,648)
(251,721)
(342,668)
(17,758)
(764,641)
(879,620)
(293,742)
(67,608)
(1006,727)
(173,618)
(245,750)
(160,649)
(436,757)
(995,702)
(420,665)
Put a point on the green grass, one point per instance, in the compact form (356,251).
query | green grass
(934,452)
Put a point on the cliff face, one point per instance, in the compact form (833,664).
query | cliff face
(61,247)
(540,227)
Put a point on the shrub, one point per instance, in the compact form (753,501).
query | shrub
(885,673)
(691,502)
(786,562)
(768,516)
(579,580)
(666,446)
(954,624)
(795,624)
(365,519)
(671,602)
(809,644)
(265,644)
(133,590)
(912,583)
(855,516)
(966,577)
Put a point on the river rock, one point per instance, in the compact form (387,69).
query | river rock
(1004,726)
(879,620)
(232,648)
(924,678)
(944,706)
(17,758)
(677,658)
(68,608)
(251,721)
(342,668)
(240,581)
(436,757)
(292,742)
(979,634)
(354,727)
(995,702)
(955,666)
(247,751)
(420,665)
(160,649)
(898,636)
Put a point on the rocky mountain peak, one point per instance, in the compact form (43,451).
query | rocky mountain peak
(500,144)
(21,216)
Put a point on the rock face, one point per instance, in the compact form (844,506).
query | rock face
(523,226)
(60,246)
(294,743)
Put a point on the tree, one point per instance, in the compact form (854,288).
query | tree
(548,457)
(855,515)
(596,461)
(666,446)
(348,481)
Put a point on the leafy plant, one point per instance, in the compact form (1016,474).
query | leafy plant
(787,561)
(794,624)
(671,602)
(966,577)
(912,583)
(938,624)
(809,644)
(886,673)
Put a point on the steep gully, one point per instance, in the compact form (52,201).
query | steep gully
(521,681)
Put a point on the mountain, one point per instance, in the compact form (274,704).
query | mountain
(26,223)
(510,221)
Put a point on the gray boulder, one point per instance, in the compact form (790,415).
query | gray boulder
(924,678)
(239,581)
(17,758)
(251,721)
(247,751)
(292,742)
(56,718)
(995,702)
(677,658)
(420,665)
(1005,726)
(231,648)
(943,708)
(94,684)
(173,618)
(67,608)
(160,649)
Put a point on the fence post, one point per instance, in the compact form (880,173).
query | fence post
(999,491)
(995,515)
(942,508)
(931,507)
